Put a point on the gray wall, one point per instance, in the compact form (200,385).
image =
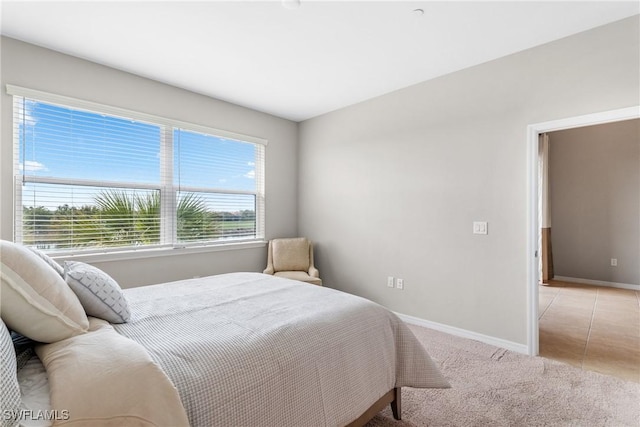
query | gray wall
(33,67)
(391,186)
(595,202)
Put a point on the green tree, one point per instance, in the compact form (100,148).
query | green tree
(36,222)
(132,219)
(129,218)
(195,221)
(248,215)
(73,227)
(118,218)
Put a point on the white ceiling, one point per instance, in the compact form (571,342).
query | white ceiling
(299,63)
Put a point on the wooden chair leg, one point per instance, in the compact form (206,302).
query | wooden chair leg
(396,404)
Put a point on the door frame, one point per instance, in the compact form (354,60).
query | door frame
(533,228)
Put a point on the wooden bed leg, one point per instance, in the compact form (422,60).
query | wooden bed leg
(391,397)
(396,404)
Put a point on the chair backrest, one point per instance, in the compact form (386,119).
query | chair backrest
(291,254)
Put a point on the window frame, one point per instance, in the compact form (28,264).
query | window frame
(167,188)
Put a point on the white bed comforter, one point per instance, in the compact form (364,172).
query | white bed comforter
(247,349)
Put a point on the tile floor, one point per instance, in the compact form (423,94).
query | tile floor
(591,327)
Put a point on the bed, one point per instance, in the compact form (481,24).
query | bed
(240,349)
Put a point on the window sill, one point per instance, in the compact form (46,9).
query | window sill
(158,252)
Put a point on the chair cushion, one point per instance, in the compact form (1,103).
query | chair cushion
(290,254)
(300,276)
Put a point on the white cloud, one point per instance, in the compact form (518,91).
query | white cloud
(251,174)
(25,112)
(251,163)
(32,166)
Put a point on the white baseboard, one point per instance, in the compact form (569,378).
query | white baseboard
(597,283)
(498,342)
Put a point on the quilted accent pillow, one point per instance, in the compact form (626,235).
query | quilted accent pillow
(46,258)
(36,302)
(99,293)
(9,389)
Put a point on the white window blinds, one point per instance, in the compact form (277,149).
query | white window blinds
(106,180)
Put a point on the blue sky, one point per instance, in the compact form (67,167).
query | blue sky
(63,143)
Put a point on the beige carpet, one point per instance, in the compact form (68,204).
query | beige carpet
(497,387)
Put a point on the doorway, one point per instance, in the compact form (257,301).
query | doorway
(534,233)
(594,328)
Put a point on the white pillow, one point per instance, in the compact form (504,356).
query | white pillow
(9,389)
(99,293)
(104,379)
(36,301)
(57,267)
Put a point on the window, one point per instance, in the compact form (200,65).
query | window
(96,178)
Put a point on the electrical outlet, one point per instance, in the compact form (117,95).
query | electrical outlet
(480,227)
(390,282)
(400,283)
(614,262)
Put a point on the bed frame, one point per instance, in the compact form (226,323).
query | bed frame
(392,397)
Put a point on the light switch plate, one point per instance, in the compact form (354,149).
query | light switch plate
(480,227)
